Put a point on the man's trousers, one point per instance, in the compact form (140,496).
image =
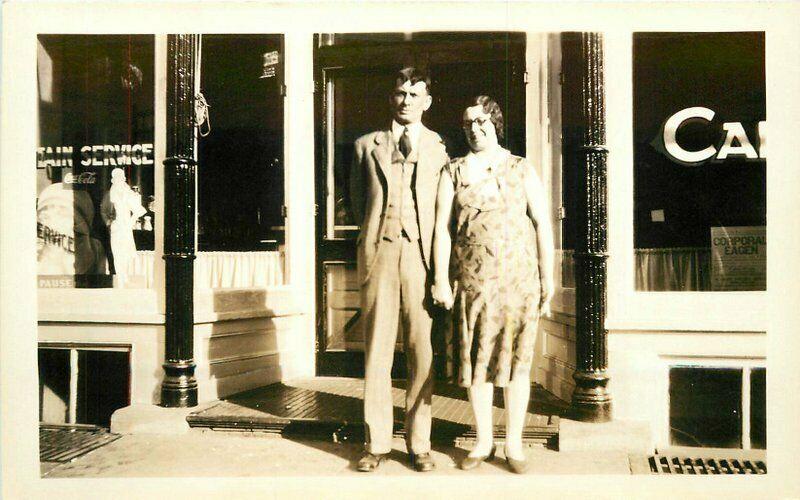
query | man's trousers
(396,291)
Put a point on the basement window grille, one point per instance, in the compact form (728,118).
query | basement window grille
(65,443)
(663,464)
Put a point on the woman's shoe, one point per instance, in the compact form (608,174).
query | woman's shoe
(517,466)
(472,462)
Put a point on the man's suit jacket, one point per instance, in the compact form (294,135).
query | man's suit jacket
(369,185)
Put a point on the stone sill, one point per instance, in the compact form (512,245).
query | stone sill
(140,306)
(223,304)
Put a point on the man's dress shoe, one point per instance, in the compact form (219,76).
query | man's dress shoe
(369,461)
(422,462)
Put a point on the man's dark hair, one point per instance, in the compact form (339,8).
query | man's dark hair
(413,75)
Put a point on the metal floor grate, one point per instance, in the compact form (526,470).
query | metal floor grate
(66,443)
(667,464)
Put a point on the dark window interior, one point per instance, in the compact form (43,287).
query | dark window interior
(240,163)
(705,407)
(571,133)
(758,408)
(673,71)
(103,385)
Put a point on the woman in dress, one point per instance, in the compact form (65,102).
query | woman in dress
(493,245)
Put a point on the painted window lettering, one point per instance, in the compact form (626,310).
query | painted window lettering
(736,143)
(96,155)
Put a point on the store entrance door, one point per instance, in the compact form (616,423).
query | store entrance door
(354,75)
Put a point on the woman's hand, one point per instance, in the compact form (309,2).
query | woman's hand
(442,294)
(548,289)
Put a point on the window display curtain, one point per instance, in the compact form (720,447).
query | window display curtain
(224,269)
(681,269)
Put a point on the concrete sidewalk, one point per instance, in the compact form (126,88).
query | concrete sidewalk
(201,453)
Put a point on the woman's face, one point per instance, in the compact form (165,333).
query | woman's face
(479,129)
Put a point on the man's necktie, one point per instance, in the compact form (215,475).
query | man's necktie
(405,143)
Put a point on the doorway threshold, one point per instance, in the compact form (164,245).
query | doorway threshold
(331,408)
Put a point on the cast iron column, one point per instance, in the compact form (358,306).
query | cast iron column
(179,388)
(591,400)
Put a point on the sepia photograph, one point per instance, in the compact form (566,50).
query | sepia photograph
(527,251)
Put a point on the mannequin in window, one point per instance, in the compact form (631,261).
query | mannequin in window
(122,207)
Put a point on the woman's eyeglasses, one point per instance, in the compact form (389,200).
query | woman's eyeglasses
(480,122)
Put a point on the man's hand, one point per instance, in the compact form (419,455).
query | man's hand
(442,294)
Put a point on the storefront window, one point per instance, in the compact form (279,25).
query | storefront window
(240,148)
(699,161)
(95,160)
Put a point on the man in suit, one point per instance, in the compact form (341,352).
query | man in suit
(393,186)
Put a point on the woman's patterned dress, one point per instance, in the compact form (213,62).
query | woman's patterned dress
(495,268)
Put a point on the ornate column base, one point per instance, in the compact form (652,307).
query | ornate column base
(591,401)
(179,387)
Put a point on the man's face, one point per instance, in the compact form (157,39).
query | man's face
(409,101)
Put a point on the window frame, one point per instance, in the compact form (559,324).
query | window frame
(627,308)
(74,349)
(746,365)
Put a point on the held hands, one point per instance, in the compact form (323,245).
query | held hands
(442,294)
(548,289)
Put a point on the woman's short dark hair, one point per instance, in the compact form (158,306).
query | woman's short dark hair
(490,107)
(413,75)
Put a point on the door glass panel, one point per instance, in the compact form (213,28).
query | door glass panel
(358,103)
(571,143)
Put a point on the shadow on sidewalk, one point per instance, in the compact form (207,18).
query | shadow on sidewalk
(322,412)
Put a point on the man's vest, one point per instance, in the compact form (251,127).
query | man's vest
(401,212)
